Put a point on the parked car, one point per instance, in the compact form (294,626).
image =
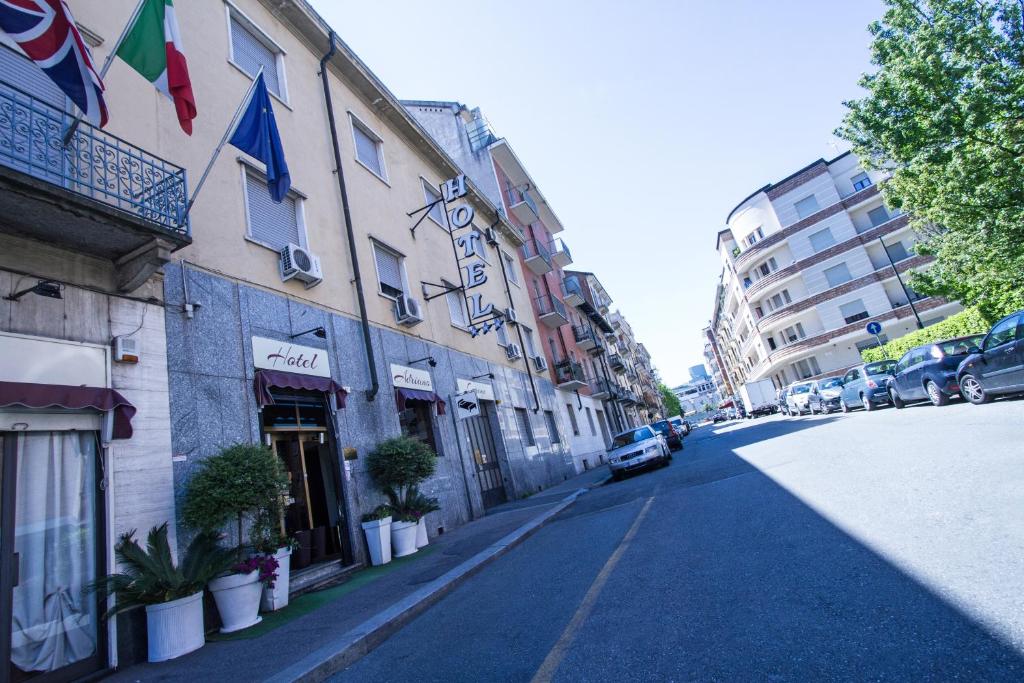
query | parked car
(673,437)
(825,395)
(798,400)
(718,417)
(635,449)
(783,395)
(996,366)
(929,372)
(865,386)
(682,426)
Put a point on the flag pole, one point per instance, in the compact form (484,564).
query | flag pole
(106,65)
(227,134)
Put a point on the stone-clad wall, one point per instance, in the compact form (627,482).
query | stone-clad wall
(210,370)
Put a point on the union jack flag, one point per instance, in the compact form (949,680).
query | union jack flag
(45,32)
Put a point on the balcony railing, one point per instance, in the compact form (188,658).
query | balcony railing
(584,336)
(523,207)
(536,257)
(572,292)
(551,311)
(94,164)
(560,253)
(570,375)
(600,389)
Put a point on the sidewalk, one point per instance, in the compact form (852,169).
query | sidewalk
(337,625)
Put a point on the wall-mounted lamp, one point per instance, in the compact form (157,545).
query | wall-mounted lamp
(317,332)
(488,375)
(47,288)
(430,361)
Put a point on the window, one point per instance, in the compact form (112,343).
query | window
(793,333)
(860,181)
(436,212)
(837,275)
(390,273)
(807,367)
(369,148)
(1002,333)
(779,300)
(822,240)
(456,306)
(771,344)
(510,268)
(502,335)
(416,422)
(549,417)
(572,419)
(531,348)
(252,50)
(806,206)
(755,237)
(853,311)
(877,216)
(590,420)
(525,429)
(897,252)
(271,224)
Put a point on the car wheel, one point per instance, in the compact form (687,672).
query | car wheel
(935,394)
(842,404)
(868,405)
(896,400)
(972,390)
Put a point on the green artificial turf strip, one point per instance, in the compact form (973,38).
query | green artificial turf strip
(309,602)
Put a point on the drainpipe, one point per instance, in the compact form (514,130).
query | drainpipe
(371,363)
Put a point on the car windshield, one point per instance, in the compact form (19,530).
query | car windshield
(632,436)
(959,347)
(661,426)
(830,383)
(800,389)
(882,367)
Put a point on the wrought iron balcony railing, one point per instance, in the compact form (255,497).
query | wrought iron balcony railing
(570,372)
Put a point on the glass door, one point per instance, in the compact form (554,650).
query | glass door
(51,549)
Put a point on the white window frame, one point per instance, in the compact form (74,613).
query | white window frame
(854,181)
(231,11)
(510,268)
(248,168)
(354,122)
(378,244)
(457,293)
(428,189)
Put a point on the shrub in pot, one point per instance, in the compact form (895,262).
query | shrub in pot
(377,528)
(242,482)
(419,506)
(172,594)
(269,541)
(397,466)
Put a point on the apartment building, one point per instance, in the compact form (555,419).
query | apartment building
(696,395)
(807,262)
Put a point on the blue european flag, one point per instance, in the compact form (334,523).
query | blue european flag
(256,135)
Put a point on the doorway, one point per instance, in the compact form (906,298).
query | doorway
(296,428)
(51,548)
(485,457)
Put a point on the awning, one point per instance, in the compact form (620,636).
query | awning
(402,395)
(267,379)
(29,395)
(726,404)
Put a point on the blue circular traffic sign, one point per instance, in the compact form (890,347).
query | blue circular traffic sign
(874,327)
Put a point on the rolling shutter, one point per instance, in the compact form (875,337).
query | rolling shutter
(389,270)
(269,222)
(250,53)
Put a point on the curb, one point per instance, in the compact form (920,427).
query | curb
(361,640)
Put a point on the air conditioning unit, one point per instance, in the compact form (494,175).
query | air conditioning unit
(407,311)
(298,263)
(511,316)
(513,351)
(491,236)
(541,363)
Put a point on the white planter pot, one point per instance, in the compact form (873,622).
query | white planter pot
(403,538)
(277,597)
(175,628)
(238,600)
(378,540)
(421,533)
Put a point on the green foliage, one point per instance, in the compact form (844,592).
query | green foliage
(942,113)
(397,466)
(968,321)
(379,512)
(149,576)
(672,407)
(244,480)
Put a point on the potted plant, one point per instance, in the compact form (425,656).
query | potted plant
(397,466)
(172,594)
(242,482)
(377,527)
(270,541)
(420,506)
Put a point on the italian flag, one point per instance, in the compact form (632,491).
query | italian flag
(153,48)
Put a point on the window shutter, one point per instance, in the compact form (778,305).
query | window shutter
(389,268)
(822,240)
(30,78)
(525,429)
(251,53)
(837,275)
(456,310)
(366,150)
(269,222)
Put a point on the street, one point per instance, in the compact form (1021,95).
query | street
(872,546)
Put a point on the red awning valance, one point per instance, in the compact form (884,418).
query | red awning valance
(29,395)
(402,395)
(266,379)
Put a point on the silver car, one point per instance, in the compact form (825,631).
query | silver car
(799,399)
(635,449)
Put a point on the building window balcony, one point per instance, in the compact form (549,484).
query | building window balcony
(551,311)
(536,257)
(570,375)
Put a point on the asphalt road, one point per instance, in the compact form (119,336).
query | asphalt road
(881,546)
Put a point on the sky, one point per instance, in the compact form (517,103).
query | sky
(643,122)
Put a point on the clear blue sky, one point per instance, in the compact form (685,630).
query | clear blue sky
(643,122)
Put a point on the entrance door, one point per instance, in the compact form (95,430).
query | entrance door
(485,455)
(51,541)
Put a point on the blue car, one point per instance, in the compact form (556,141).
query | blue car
(996,365)
(929,372)
(865,386)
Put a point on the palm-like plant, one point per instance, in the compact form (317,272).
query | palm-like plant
(149,576)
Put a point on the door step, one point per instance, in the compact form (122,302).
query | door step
(318,575)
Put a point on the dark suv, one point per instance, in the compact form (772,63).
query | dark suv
(673,437)
(928,373)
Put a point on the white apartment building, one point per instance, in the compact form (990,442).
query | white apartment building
(808,261)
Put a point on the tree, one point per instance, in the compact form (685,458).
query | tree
(670,401)
(945,114)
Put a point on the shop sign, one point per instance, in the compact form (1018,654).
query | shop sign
(484,391)
(52,361)
(403,377)
(467,405)
(272,354)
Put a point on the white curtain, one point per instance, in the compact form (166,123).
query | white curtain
(54,623)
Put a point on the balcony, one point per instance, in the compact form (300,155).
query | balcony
(99,195)
(536,257)
(569,375)
(616,362)
(524,208)
(560,254)
(551,311)
(585,337)
(600,389)
(629,397)
(572,292)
